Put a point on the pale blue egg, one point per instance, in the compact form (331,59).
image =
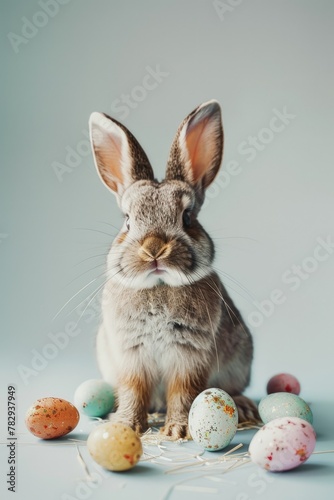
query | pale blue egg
(284,404)
(94,398)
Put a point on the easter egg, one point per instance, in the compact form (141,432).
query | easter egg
(114,446)
(50,418)
(213,419)
(94,398)
(284,404)
(283,382)
(282,444)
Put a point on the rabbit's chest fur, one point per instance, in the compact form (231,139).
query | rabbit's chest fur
(157,318)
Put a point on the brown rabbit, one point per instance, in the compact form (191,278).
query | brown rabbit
(167,319)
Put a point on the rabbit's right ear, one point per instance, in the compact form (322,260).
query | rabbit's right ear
(119,158)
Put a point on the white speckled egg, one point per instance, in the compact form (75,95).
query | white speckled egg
(114,446)
(284,404)
(213,419)
(94,398)
(282,444)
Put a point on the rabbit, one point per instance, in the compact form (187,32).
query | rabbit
(167,319)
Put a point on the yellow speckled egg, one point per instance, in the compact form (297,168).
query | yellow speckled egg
(114,446)
(50,418)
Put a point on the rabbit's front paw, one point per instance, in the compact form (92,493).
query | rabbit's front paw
(176,430)
(139,426)
(247,410)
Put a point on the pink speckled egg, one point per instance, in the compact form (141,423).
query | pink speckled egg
(283,382)
(282,444)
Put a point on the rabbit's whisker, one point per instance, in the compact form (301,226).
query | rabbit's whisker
(88,271)
(232,237)
(94,230)
(236,282)
(75,295)
(212,329)
(91,257)
(228,307)
(108,224)
(94,294)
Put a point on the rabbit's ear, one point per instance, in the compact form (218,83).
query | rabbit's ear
(119,158)
(196,152)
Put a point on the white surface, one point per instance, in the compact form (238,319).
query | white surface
(52,470)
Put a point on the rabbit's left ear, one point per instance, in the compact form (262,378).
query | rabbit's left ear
(197,150)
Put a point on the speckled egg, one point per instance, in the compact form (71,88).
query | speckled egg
(213,419)
(94,398)
(282,444)
(50,418)
(284,404)
(114,446)
(283,382)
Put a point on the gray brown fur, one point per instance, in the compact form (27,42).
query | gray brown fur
(168,321)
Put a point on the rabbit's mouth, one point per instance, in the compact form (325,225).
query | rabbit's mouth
(157,269)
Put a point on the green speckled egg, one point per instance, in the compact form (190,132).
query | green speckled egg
(284,404)
(94,398)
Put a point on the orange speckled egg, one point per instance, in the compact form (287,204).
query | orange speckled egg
(50,418)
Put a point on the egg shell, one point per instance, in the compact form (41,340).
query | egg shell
(94,398)
(284,404)
(50,418)
(282,444)
(114,446)
(283,382)
(213,419)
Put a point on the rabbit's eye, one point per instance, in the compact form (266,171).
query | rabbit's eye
(186,218)
(127,222)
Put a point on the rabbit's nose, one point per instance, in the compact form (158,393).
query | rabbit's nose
(154,248)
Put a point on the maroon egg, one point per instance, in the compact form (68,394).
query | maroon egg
(283,382)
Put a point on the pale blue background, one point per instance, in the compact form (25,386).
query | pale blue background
(256,57)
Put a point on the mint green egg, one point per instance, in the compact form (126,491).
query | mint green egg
(94,398)
(284,404)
